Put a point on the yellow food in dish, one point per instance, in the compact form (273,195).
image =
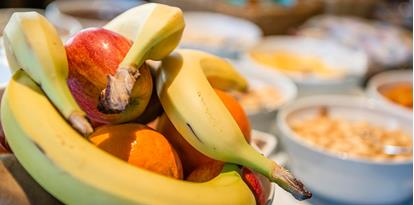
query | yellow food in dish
(355,139)
(290,62)
(400,93)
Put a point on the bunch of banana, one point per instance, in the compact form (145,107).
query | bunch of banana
(76,172)
(37,106)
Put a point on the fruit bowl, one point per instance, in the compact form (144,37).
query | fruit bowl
(77,115)
(338,177)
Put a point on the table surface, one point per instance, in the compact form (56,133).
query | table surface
(284,198)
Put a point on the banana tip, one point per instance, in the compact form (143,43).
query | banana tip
(288,182)
(79,121)
(300,192)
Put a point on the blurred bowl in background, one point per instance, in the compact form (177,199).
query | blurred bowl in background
(84,14)
(5,74)
(393,79)
(341,178)
(65,27)
(315,65)
(223,35)
(262,111)
(386,45)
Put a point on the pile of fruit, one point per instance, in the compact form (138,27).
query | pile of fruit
(73,114)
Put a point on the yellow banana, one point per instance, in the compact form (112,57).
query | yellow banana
(32,44)
(219,72)
(202,119)
(156,30)
(76,172)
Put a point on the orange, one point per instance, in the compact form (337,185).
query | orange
(206,172)
(190,157)
(237,111)
(140,146)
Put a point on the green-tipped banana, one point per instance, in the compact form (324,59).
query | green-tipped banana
(76,172)
(220,73)
(156,30)
(202,119)
(32,44)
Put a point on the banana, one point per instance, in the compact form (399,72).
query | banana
(202,119)
(32,44)
(156,30)
(219,72)
(76,172)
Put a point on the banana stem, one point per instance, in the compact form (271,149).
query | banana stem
(156,33)
(115,97)
(275,173)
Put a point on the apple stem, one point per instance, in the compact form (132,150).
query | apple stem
(115,97)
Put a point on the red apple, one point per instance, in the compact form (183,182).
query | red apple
(94,54)
(257,184)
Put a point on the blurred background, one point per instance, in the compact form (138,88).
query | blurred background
(340,61)
(266,11)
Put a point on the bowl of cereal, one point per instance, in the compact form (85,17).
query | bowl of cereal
(349,149)
(393,88)
(267,92)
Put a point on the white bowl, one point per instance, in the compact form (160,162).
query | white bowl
(353,62)
(263,142)
(385,78)
(223,35)
(342,179)
(263,120)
